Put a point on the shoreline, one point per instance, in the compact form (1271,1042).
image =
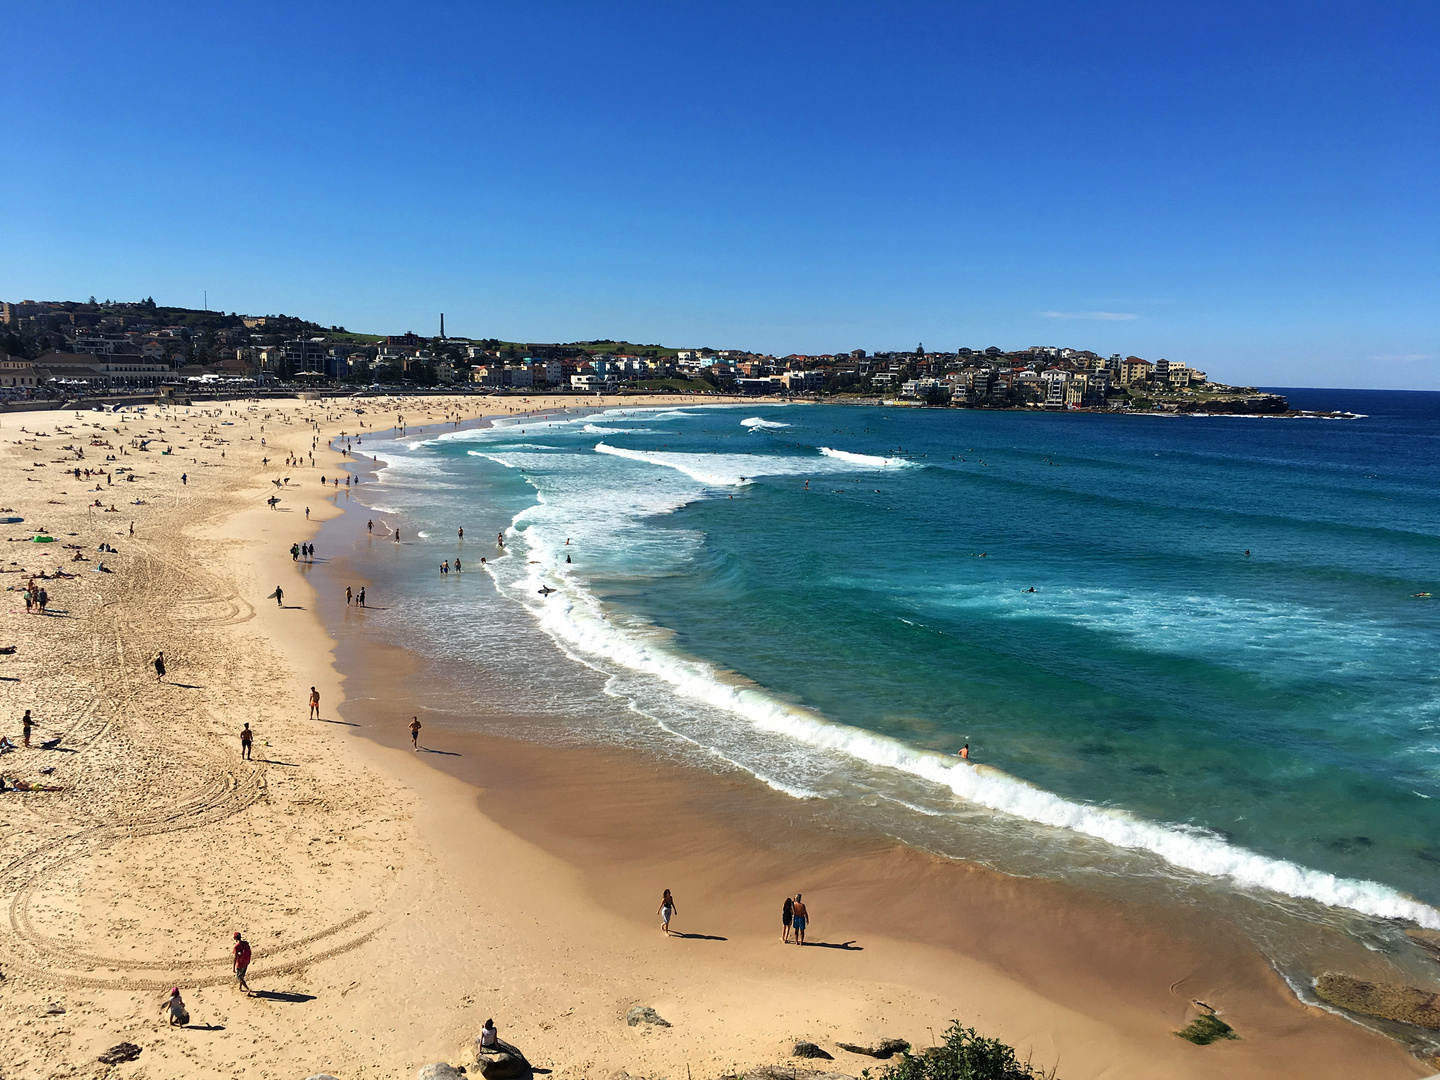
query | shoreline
(393,907)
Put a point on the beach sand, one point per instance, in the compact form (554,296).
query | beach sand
(393,906)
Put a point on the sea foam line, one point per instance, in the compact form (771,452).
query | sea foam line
(870,461)
(689,464)
(578,622)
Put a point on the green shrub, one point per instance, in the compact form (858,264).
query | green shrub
(965,1055)
(1205,1029)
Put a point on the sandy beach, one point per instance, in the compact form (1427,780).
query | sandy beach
(395,900)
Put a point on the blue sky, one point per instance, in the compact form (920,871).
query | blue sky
(1251,189)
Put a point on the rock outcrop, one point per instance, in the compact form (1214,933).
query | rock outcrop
(643,1014)
(805,1049)
(439,1071)
(883,1049)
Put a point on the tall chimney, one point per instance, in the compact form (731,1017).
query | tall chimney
(442,326)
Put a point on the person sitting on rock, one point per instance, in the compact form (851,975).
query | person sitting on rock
(489,1037)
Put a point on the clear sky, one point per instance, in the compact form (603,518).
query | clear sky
(1249,188)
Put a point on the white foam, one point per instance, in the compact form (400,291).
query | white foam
(692,465)
(576,621)
(600,429)
(868,461)
(757,424)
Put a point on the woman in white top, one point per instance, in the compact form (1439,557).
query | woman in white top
(489,1037)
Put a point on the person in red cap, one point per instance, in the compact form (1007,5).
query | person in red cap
(242,960)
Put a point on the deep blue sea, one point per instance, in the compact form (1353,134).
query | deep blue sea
(1193,650)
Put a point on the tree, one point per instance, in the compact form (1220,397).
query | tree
(920,349)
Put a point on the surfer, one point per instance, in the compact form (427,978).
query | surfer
(545,590)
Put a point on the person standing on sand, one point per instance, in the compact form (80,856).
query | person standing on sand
(314,704)
(370,526)
(415,733)
(247,739)
(26,724)
(360,600)
(242,961)
(787,912)
(799,919)
(159,663)
(348,595)
(667,908)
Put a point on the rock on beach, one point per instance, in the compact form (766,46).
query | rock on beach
(644,1014)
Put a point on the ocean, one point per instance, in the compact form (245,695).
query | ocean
(1187,654)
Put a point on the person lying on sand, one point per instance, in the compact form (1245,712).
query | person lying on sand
(26,785)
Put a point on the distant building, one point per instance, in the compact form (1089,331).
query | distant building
(15,372)
(1135,371)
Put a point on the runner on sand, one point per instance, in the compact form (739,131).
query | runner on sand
(242,961)
(415,733)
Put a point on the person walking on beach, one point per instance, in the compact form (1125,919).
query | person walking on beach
(415,733)
(314,704)
(279,596)
(348,595)
(667,908)
(26,724)
(159,663)
(242,961)
(360,600)
(787,912)
(370,526)
(247,739)
(799,919)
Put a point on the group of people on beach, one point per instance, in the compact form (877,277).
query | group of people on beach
(240,953)
(794,917)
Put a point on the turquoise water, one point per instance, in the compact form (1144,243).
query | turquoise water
(1161,705)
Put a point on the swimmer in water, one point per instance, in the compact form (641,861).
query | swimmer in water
(964,753)
(500,539)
